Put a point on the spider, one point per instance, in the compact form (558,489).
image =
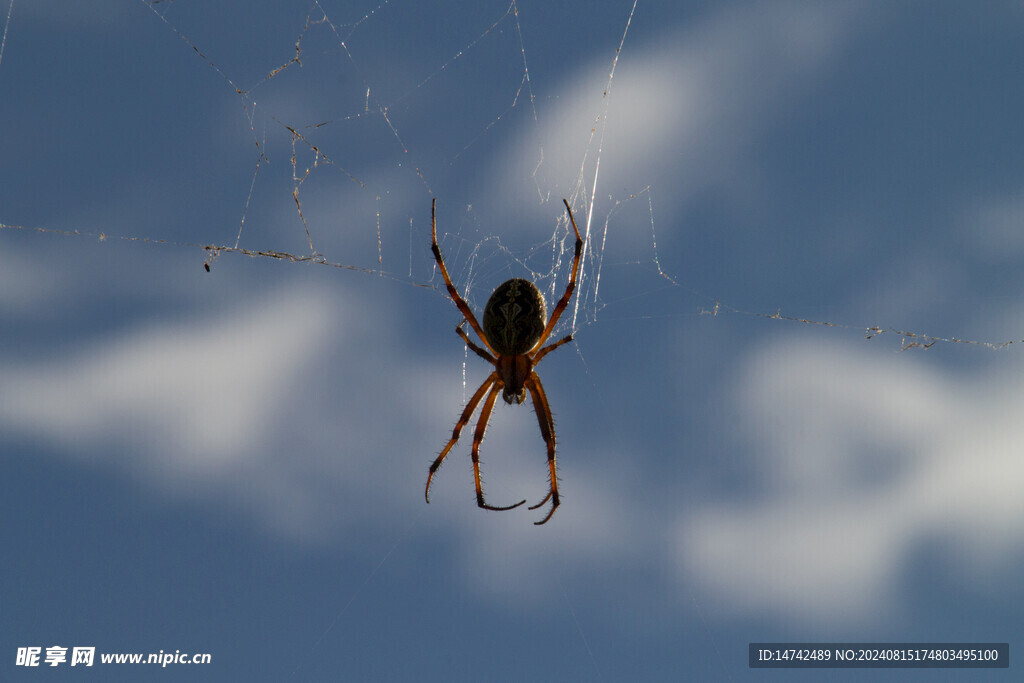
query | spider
(513,333)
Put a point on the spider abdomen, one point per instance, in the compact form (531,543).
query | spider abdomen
(514,317)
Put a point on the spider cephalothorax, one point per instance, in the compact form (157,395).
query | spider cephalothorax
(513,332)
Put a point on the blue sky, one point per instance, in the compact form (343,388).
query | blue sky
(233,462)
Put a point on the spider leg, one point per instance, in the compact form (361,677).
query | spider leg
(547,430)
(478,436)
(463,421)
(452,292)
(564,301)
(549,348)
(469,342)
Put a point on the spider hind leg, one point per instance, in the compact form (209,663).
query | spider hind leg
(547,430)
(478,437)
(467,414)
(554,506)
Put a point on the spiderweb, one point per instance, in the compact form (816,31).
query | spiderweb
(313,125)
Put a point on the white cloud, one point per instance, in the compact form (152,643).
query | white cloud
(866,457)
(195,395)
(191,407)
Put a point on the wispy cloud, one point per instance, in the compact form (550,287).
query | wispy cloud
(684,107)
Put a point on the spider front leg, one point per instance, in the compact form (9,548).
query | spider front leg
(549,348)
(452,292)
(547,431)
(564,301)
(476,349)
